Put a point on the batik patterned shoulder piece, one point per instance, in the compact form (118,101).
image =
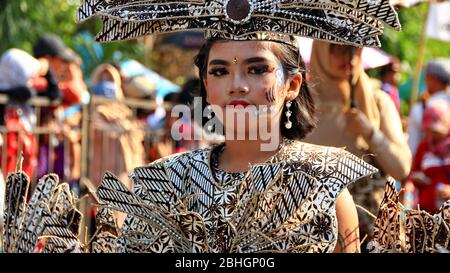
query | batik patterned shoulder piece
(356,22)
(176,229)
(415,231)
(163,180)
(333,166)
(48,223)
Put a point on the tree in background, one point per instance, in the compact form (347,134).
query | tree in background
(405,44)
(23,21)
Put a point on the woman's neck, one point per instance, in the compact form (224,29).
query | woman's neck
(238,154)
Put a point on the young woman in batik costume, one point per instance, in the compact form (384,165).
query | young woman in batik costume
(272,193)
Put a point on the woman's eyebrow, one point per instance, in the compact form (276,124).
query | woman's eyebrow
(218,62)
(247,61)
(255,60)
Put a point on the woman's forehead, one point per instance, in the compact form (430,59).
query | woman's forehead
(242,49)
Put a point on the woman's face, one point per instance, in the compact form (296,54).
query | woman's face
(342,59)
(434,137)
(106,77)
(247,75)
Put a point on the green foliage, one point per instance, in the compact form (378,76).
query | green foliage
(405,44)
(23,21)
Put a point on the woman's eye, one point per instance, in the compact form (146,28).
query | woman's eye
(258,70)
(217,72)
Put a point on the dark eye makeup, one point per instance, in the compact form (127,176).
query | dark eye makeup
(254,69)
(217,72)
(260,69)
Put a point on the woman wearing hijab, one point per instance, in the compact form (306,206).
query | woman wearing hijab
(116,130)
(359,118)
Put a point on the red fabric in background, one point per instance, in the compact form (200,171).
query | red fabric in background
(437,174)
(40,84)
(72,93)
(28,143)
(71,90)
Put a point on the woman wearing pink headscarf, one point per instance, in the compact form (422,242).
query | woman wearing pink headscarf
(430,172)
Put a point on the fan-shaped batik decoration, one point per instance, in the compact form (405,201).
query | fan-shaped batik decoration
(105,238)
(49,222)
(400,230)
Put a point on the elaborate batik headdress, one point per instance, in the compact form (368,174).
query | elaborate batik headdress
(354,22)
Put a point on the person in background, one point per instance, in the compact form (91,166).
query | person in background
(65,63)
(43,85)
(71,130)
(437,79)
(116,134)
(430,171)
(363,119)
(116,129)
(389,79)
(18,69)
(106,81)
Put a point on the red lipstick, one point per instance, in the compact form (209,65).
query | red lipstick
(235,103)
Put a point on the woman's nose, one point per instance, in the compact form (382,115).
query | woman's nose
(239,86)
(239,91)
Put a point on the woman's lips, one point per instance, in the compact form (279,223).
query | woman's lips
(242,103)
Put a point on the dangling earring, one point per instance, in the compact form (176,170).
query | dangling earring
(209,116)
(209,109)
(288,113)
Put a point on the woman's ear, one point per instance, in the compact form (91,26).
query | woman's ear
(294,83)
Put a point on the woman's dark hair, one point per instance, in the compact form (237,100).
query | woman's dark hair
(303,109)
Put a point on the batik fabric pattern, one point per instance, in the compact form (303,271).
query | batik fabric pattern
(409,230)
(48,223)
(284,205)
(355,22)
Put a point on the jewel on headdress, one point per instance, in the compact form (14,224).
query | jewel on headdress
(238,11)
